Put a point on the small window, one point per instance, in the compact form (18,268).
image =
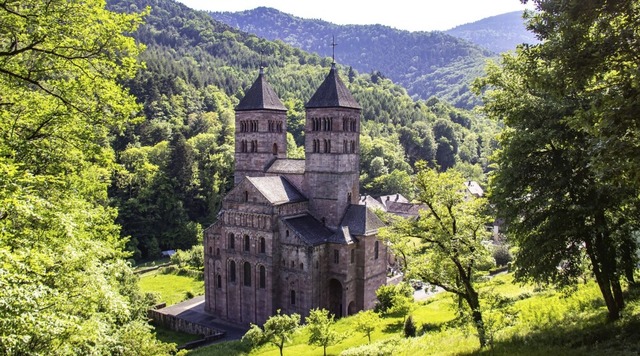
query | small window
(247,274)
(219,281)
(218,251)
(293,264)
(232,272)
(263,245)
(353,256)
(210,250)
(263,277)
(232,243)
(375,250)
(275,149)
(286,233)
(293,297)
(246,196)
(336,256)
(247,243)
(302,266)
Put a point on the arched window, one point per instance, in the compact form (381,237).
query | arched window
(375,250)
(326,146)
(293,297)
(263,245)
(232,243)
(263,277)
(247,274)
(302,266)
(275,148)
(247,243)
(353,256)
(210,250)
(349,197)
(218,251)
(232,271)
(219,281)
(246,196)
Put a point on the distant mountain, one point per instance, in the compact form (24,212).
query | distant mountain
(425,63)
(499,33)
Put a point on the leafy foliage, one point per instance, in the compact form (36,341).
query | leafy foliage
(320,325)
(65,286)
(450,230)
(277,330)
(568,202)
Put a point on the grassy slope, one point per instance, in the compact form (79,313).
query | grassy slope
(171,288)
(523,320)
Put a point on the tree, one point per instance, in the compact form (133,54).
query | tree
(449,232)
(319,324)
(279,328)
(409,327)
(566,196)
(366,322)
(65,285)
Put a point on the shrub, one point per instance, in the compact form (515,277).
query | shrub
(387,294)
(409,327)
(501,255)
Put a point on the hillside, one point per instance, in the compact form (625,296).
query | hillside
(499,33)
(175,166)
(425,63)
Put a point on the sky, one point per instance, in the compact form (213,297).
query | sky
(411,15)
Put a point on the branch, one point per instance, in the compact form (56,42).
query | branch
(29,80)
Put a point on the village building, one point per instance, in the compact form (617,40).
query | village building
(291,234)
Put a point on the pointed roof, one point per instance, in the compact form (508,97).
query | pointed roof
(332,93)
(260,96)
(361,220)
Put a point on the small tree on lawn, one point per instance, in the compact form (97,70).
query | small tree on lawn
(320,323)
(278,330)
(366,322)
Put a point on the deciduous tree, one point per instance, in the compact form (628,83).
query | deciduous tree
(449,232)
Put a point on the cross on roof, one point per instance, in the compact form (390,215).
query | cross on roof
(334,44)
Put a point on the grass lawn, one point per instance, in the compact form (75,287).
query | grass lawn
(171,288)
(523,321)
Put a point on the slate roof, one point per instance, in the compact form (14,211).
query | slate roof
(371,202)
(332,93)
(361,220)
(287,166)
(260,96)
(277,189)
(404,209)
(474,188)
(312,231)
(386,199)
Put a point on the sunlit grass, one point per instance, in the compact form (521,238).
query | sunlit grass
(170,288)
(531,321)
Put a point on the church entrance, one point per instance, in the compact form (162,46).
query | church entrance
(335,297)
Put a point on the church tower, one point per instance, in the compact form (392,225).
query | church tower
(261,130)
(332,149)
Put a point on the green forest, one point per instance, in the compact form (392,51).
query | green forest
(117,142)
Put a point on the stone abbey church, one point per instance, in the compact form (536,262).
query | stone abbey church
(291,234)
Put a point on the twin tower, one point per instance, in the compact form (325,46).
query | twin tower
(329,174)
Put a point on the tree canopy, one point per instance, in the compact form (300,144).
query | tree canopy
(566,179)
(65,288)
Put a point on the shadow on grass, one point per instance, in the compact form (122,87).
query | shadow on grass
(589,336)
(394,327)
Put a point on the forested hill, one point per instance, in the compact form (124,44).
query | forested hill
(425,63)
(177,164)
(499,33)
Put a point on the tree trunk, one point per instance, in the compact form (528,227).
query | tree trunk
(603,283)
(476,314)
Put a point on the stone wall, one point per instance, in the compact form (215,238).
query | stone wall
(174,323)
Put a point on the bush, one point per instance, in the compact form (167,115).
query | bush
(386,295)
(409,327)
(501,255)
